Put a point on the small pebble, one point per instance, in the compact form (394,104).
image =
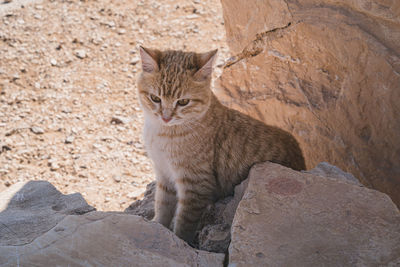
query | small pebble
(121,31)
(37,130)
(135,60)
(69,139)
(119,120)
(117,178)
(192,16)
(54,166)
(80,53)
(5,148)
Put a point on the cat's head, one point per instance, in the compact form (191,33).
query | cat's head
(174,86)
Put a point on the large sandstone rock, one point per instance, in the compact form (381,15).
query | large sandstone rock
(91,239)
(288,218)
(328,72)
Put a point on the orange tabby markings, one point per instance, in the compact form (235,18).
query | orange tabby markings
(203,149)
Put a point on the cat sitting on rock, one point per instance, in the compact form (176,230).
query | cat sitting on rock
(200,148)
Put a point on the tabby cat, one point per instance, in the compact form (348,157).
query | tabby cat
(200,148)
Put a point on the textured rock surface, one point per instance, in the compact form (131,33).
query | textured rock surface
(328,72)
(91,239)
(145,206)
(287,218)
(27,210)
(214,234)
(327,170)
(215,225)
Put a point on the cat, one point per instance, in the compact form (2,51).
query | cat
(200,148)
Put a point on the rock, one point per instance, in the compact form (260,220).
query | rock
(135,60)
(80,53)
(287,218)
(326,71)
(94,238)
(53,62)
(327,170)
(69,139)
(119,120)
(121,31)
(144,207)
(5,148)
(238,14)
(215,225)
(54,166)
(27,210)
(117,178)
(192,16)
(37,130)
(215,238)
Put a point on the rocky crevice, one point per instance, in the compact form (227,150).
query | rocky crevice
(258,45)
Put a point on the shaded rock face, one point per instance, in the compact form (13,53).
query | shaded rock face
(214,228)
(89,239)
(144,207)
(287,218)
(325,169)
(326,71)
(30,209)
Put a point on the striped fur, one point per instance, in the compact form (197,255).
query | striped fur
(206,148)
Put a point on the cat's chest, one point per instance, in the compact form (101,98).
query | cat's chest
(157,142)
(164,150)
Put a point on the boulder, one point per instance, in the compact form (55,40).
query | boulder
(325,169)
(213,233)
(90,239)
(288,218)
(326,71)
(30,209)
(144,207)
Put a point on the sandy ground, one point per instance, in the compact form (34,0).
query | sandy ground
(69,112)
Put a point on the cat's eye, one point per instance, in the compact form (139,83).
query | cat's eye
(155,98)
(183,102)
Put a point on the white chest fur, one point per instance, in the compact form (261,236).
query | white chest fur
(157,149)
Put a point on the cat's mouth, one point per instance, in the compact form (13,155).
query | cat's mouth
(167,121)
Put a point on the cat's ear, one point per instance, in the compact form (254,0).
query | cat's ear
(205,63)
(150,59)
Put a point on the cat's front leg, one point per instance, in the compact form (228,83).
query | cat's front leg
(194,195)
(165,201)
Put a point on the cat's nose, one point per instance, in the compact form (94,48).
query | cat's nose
(166,119)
